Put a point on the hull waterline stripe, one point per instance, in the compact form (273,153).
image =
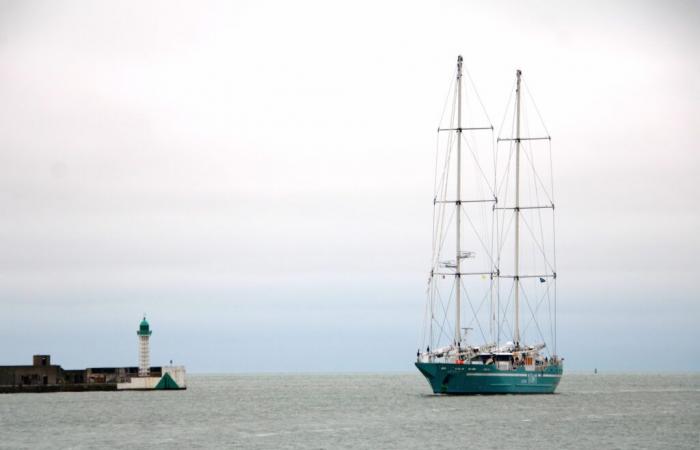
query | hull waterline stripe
(520,375)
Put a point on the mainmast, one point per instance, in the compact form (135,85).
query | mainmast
(516,332)
(458,205)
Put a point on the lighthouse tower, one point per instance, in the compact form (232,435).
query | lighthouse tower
(144,334)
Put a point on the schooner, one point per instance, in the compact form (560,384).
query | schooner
(493,269)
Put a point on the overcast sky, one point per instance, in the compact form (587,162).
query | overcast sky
(257,176)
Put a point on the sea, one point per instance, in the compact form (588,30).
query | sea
(360,411)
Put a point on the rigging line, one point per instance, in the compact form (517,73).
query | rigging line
(430,307)
(475,317)
(434,318)
(508,302)
(505,190)
(440,224)
(494,216)
(442,241)
(478,97)
(527,302)
(496,265)
(438,180)
(445,309)
(504,315)
(531,158)
(512,128)
(534,239)
(506,153)
(551,170)
(554,258)
(478,310)
(445,317)
(507,110)
(504,232)
(513,121)
(555,317)
(504,180)
(433,294)
(440,238)
(428,323)
(481,211)
(554,240)
(426,312)
(453,77)
(437,153)
(448,152)
(501,238)
(537,176)
(498,224)
(549,315)
(539,246)
(476,161)
(476,232)
(537,307)
(444,227)
(485,215)
(533,318)
(497,308)
(508,327)
(437,157)
(442,333)
(435,234)
(539,213)
(486,220)
(501,224)
(504,186)
(449,143)
(440,219)
(492,309)
(535,188)
(532,99)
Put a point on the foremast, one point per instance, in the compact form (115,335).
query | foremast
(457,348)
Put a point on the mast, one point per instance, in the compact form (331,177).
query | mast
(458,204)
(516,333)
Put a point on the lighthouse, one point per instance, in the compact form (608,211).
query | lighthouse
(144,334)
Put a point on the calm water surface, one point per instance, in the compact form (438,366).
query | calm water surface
(374,411)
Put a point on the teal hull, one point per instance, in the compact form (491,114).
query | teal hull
(447,378)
